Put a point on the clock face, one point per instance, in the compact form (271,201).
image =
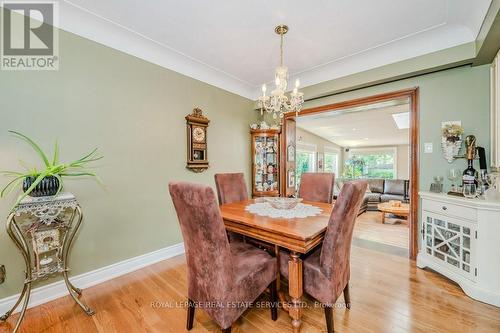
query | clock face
(198,134)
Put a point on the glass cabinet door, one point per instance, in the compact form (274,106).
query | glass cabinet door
(265,164)
(449,241)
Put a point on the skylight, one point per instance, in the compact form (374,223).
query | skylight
(402,120)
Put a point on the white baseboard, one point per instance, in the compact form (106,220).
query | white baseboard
(58,289)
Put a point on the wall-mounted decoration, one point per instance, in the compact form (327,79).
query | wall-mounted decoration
(197,156)
(290,153)
(451,139)
(320,162)
(291,178)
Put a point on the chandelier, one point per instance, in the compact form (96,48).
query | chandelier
(278,103)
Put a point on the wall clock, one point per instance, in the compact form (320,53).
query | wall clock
(197,156)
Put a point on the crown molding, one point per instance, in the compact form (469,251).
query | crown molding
(84,23)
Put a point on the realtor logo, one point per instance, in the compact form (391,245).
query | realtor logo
(29,40)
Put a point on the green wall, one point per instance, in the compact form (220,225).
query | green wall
(133,111)
(461,93)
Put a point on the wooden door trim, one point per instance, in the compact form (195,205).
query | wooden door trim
(413,95)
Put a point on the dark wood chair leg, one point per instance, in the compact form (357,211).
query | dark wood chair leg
(226,330)
(329,318)
(347,297)
(190,315)
(274,300)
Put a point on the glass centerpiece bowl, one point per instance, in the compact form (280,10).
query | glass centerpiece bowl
(282,203)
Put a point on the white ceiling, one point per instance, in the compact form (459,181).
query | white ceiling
(370,126)
(232,44)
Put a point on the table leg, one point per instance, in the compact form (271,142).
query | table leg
(21,296)
(74,292)
(278,277)
(12,234)
(65,251)
(16,235)
(23,309)
(382,217)
(295,289)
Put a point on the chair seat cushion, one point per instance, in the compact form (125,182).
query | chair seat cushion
(253,271)
(252,263)
(315,282)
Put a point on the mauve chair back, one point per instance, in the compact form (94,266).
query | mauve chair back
(207,248)
(231,187)
(336,249)
(317,186)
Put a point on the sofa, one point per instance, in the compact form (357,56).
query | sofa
(379,190)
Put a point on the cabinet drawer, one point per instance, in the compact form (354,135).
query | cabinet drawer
(445,208)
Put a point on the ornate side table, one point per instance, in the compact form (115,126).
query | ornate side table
(44,229)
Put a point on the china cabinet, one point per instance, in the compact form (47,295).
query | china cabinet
(495,113)
(265,162)
(460,238)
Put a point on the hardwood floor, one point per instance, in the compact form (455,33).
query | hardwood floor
(388,294)
(394,232)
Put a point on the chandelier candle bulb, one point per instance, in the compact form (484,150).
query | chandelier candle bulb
(297,83)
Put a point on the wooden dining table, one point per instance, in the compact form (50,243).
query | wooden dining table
(298,235)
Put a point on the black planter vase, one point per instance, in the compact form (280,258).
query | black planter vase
(47,187)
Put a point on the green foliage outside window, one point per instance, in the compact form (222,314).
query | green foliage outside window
(330,162)
(303,164)
(370,166)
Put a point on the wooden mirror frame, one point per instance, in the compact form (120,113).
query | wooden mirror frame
(412,95)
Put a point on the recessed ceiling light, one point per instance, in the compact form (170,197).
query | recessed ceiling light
(354,129)
(366,139)
(402,120)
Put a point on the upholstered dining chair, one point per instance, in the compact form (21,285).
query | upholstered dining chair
(317,186)
(231,187)
(326,271)
(223,277)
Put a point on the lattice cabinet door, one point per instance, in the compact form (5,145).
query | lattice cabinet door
(450,242)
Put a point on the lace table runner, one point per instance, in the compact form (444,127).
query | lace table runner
(300,211)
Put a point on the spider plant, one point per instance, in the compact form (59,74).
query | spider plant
(51,167)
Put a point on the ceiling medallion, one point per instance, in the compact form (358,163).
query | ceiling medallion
(278,103)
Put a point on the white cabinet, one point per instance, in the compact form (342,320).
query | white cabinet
(460,239)
(495,113)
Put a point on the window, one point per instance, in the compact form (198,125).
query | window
(305,161)
(371,163)
(331,160)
